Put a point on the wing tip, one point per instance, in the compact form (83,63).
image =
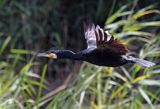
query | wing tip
(88,25)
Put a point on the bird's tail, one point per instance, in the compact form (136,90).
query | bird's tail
(138,61)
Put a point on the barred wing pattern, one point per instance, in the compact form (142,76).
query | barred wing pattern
(90,35)
(98,38)
(106,40)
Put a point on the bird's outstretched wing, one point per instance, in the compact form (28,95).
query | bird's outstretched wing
(106,40)
(98,38)
(90,36)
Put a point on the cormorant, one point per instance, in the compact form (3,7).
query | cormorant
(102,49)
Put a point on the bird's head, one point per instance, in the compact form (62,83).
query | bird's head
(51,54)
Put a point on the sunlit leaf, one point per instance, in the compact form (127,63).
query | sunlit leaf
(139,78)
(141,14)
(148,24)
(150,82)
(20,51)
(115,15)
(145,96)
(135,33)
(5,43)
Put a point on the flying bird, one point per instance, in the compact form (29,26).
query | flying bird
(102,49)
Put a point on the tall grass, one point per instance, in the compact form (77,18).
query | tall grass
(94,87)
(127,87)
(17,78)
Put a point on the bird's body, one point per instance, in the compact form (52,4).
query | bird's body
(103,58)
(102,49)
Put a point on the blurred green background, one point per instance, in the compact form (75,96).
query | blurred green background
(31,26)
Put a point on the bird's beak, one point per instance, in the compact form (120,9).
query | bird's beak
(48,55)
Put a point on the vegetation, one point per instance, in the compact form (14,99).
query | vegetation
(31,26)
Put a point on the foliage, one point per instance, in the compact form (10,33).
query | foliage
(127,87)
(124,88)
(17,86)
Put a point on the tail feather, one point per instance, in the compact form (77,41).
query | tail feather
(139,61)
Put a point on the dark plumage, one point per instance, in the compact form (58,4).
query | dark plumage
(102,49)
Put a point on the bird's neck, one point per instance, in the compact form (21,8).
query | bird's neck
(67,54)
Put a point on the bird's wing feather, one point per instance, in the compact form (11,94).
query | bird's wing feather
(90,36)
(98,38)
(107,41)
